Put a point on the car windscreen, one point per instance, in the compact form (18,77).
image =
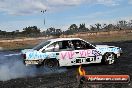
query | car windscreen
(41,45)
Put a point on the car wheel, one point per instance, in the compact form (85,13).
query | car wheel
(109,58)
(49,63)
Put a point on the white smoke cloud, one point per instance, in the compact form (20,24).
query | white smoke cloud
(17,70)
(12,67)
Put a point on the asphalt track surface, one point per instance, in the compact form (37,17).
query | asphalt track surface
(13,74)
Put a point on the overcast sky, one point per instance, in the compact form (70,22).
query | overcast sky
(18,14)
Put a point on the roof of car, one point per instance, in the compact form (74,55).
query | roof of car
(61,39)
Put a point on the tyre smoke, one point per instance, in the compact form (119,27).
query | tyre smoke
(12,67)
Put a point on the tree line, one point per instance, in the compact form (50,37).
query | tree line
(34,31)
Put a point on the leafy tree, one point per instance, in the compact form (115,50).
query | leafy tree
(54,32)
(58,32)
(31,31)
(92,28)
(82,28)
(73,28)
(98,26)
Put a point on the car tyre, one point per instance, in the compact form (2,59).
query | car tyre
(50,63)
(109,58)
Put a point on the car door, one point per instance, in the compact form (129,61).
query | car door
(66,54)
(63,52)
(85,53)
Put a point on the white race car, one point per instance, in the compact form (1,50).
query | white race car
(69,52)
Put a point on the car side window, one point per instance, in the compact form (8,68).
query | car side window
(79,44)
(50,48)
(87,45)
(66,45)
(60,46)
